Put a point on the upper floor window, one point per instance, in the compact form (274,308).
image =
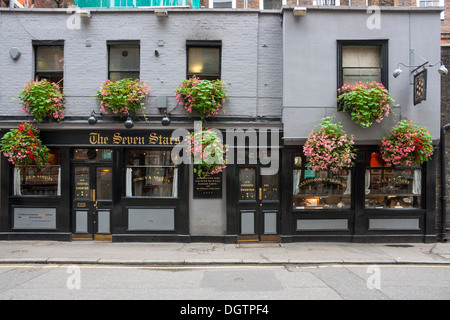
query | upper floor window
(124,60)
(271,4)
(364,61)
(432,3)
(222,4)
(49,61)
(204,59)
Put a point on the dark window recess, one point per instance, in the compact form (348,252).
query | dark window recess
(204,59)
(49,62)
(362,60)
(124,61)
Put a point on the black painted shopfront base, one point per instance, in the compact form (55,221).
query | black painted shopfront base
(38,236)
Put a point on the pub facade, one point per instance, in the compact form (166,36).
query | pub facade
(107,179)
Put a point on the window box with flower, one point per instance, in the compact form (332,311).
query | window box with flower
(43,100)
(365,102)
(124,97)
(203,98)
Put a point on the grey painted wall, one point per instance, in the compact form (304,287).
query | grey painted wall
(251,55)
(310,67)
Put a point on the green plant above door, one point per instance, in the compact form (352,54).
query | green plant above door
(365,102)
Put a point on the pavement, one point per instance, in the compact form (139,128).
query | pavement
(188,254)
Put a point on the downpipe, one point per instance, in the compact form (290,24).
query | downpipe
(444,184)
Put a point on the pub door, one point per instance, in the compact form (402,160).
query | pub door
(92,201)
(258,205)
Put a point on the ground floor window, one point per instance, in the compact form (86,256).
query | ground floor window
(391,187)
(150,173)
(34,181)
(385,186)
(321,189)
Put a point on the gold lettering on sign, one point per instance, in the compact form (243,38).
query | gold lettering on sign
(96,138)
(152,138)
(119,139)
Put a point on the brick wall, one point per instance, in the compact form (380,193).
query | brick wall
(445,118)
(389,3)
(445,24)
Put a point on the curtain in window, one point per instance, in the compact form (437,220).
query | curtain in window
(17,191)
(129,174)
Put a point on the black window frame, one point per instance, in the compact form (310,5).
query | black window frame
(39,75)
(112,43)
(204,44)
(383,43)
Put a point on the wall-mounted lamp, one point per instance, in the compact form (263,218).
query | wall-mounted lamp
(129,123)
(299,11)
(162,107)
(92,120)
(442,69)
(161,13)
(414,68)
(84,13)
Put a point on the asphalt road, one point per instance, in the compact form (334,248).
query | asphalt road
(238,283)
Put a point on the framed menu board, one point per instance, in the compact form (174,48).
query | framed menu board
(208,187)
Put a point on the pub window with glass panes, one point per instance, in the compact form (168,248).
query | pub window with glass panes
(320,190)
(124,61)
(389,187)
(150,173)
(34,181)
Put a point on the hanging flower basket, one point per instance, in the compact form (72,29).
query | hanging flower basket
(365,102)
(208,147)
(43,100)
(23,147)
(329,147)
(203,98)
(124,97)
(407,145)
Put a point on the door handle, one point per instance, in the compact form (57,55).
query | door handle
(260,193)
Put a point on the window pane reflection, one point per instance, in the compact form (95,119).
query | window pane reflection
(151,174)
(320,189)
